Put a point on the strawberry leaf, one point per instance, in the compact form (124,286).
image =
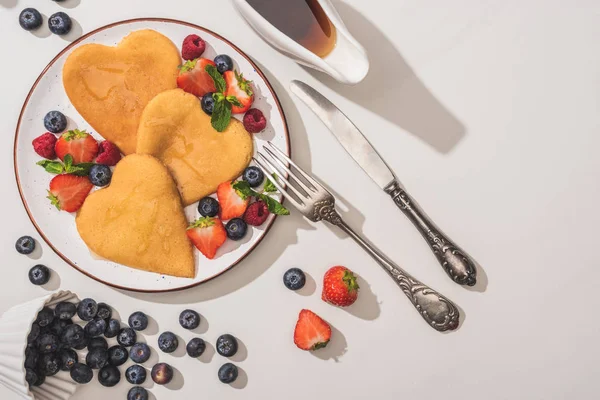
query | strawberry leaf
(203,222)
(75,134)
(234,100)
(216,77)
(53,200)
(269,186)
(221,116)
(187,66)
(243,83)
(54,167)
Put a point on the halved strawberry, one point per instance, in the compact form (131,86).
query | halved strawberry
(311,331)
(207,234)
(241,88)
(68,192)
(233,203)
(194,79)
(79,144)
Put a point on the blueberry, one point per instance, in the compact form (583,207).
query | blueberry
(294,279)
(117,355)
(31,376)
(227,345)
(126,337)
(138,321)
(73,336)
(33,333)
(65,310)
(136,374)
(100,175)
(58,326)
(189,319)
(30,19)
(224,63)
(83,344)
(168,342)
(45,317)
(104,311)
(112,329)
(81,373)
(47,343)
(162,373)
(97,342)
(41,378)
(208,207)
(253,175)
(60,23)
(49,364)
(228,373)
(236,229)
(137,393)
(39,275)
(195,347)
(95,327)
(87,309)
(31,357)
(140,353)
(68,358)
(208,103)
(109,376)
(25,245)
(55,122)
(97,358)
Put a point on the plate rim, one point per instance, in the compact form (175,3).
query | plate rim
(43,73)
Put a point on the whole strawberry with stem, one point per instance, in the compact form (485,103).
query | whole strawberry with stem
(340,287)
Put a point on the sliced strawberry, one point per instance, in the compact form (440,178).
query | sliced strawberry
(241,88)
(68,192)
(79,144)
(207,234)
(233,203)
(194,79)
(311,333)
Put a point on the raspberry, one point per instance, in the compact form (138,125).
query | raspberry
(108,154)
(257,213)
(193,46)
(44,145)
(254,120)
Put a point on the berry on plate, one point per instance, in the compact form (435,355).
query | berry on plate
(100,175)
(224,63)
(207,234)
(208,207)
(228,373)
(236,229)
(339,287)
(25,245)
(194,79)
(55,121)
(253,175)
(193,46)
(68,192)
(79,144)
(311,331)
(233,203)
(294,279)
(44,145)
(108,154)
(30,19)
(241,88)
(254,120)
(257,213)
(39,275)
(60,23)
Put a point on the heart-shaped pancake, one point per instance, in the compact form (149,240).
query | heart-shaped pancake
(174,129)
(110,86)
(138,220)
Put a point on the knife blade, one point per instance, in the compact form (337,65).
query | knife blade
(353,141)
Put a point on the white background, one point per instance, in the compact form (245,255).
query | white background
(488,111)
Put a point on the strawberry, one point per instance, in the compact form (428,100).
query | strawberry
(311,333)
(194,79)
(207,234)
(339,287)
(79,144)
(68,192)
(238,86)
(233,203)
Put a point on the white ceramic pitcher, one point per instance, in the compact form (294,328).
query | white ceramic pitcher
(347,62)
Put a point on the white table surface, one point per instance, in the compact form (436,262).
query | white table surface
(489,113)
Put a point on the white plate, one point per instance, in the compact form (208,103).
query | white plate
(58,228)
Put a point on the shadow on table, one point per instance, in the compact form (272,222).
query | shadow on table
(393,90)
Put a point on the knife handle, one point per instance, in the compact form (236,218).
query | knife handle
(459,266)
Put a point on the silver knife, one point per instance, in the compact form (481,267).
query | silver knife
(457,264)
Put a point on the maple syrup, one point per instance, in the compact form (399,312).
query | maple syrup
(304,21)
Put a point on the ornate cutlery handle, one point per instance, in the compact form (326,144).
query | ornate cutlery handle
(437,310)
(459,267)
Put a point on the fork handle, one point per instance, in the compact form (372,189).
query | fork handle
(457,264)
(439,312)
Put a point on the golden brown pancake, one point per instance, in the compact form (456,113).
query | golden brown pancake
(138,220)
(110,86)
(174,129)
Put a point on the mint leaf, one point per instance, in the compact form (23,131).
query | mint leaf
(68,162)
(216,77)
(82,169)
(54,167)
(221,115)
(234,100)
(273,205)
(269,187)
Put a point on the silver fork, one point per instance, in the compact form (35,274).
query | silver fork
(316,203)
